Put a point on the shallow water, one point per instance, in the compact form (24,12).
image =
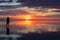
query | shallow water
(30,26)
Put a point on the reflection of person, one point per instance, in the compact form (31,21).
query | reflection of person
(7,25)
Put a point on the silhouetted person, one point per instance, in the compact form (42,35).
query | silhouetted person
(7,26)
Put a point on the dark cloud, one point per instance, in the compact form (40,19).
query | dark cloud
(13,12)
(53,16)
(37,3)
(56,11)
(45,3)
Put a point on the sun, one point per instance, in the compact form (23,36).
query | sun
(27,19)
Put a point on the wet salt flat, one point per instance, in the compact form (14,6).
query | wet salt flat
(19,27)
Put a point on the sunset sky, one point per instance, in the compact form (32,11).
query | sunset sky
(34,7)
(32,10)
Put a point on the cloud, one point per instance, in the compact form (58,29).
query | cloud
(45,3)
(37,3)
(55,10)
(12,12)
(41,12)
(32,11)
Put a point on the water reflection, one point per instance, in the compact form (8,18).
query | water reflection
(40,27)
(30,26)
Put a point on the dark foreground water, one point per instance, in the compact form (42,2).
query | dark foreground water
(36,36)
